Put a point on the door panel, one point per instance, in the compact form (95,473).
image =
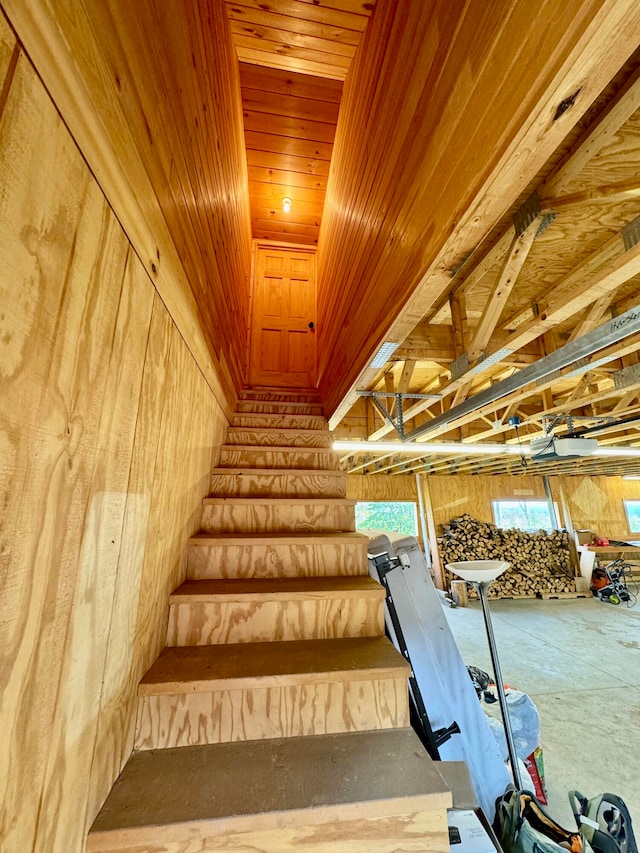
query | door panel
(283,347)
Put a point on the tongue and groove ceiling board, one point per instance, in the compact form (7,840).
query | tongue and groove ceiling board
(294,55)
(289,122)
(431,151)
(315,37)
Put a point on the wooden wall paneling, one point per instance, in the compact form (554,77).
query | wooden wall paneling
(180,153)
(453,496)
(95,585)
(86,373)
(152,164)
(57,331)
(361,487)
(9,50)
(374,229)
(123,670)
(596,504)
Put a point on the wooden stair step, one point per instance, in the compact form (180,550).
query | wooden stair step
(248,456)
(294,408)
(252,610)
(276,795)
(250,691)
(242,666)
(279,437)
(229,555)
(277,421)
(279,395)
(261,515)
(278,482)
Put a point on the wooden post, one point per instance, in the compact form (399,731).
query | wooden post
(436,566)
(423,522)
(459,593)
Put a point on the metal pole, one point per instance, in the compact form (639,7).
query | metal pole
(482,587)
(552,507)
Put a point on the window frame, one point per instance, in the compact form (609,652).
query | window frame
(635,502)
(498,522)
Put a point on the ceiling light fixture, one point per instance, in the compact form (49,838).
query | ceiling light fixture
(384,354)
(286,204)
(455,448)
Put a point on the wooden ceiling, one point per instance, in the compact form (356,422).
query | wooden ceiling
(294,55)
(289,123)
(519,298)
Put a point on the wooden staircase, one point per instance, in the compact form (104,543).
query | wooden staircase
(276,718)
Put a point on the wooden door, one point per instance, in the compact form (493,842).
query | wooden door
(283,346)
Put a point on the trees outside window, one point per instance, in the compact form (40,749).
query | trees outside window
(632,508)
(396,516)
(525,515)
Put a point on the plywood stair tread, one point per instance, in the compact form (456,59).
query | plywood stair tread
(311,422)
(201,791)
(276,430)
(297,404)
(289,538)
(292,501)
(240,666)
(277,589)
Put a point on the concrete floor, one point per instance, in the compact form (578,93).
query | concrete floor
(579,660)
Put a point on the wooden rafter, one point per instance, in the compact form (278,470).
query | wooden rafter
(499,294)
(407,374)
(592,317)
(595,138)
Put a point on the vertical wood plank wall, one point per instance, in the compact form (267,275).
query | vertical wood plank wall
(151,94)
(108,432)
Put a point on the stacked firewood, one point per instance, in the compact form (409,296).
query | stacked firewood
(539,562)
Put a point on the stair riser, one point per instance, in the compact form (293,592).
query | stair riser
(286,438)
(279,397)
(259,407)
(264,457)
(265,518)
(205,623)
(257,421)
(275,561)
(279,485)
(271,712)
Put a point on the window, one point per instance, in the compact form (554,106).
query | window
(632,508)
(398,516)
(526,515)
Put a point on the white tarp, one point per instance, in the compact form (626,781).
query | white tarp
(446,688)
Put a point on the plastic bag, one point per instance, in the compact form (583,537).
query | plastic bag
(525,723)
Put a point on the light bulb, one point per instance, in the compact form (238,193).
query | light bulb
(286,204)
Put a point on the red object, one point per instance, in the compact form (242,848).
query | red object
(532,768)
(601,542)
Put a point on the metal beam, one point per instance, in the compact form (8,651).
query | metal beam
(609,333)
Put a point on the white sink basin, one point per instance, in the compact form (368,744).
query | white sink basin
(478,570)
